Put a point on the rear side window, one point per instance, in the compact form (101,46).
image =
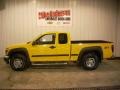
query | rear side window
(62,38)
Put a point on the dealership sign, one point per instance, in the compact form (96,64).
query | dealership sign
(54,17)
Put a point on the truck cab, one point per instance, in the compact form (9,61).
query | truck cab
(51,47)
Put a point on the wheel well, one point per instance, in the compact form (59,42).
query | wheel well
(98,53)
(22,51)
(19,52)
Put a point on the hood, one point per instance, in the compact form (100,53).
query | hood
(21,45)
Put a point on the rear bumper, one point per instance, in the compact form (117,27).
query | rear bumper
(6,59)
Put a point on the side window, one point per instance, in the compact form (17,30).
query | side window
(47,39)
(63,38)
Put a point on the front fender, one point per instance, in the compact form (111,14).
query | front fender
(18,50)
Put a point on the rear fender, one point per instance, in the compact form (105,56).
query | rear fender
(96,49)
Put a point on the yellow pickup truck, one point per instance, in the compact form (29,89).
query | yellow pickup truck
(57,48)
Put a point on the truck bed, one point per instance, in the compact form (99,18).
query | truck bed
(89,41)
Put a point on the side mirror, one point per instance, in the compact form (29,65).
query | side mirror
(34,43)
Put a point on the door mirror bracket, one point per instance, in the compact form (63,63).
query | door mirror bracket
(34,43)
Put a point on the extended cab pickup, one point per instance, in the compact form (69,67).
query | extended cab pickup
(57,48)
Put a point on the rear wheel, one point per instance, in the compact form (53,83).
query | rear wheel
(18,62)
(90,61)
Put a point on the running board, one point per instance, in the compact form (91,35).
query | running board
(50,64)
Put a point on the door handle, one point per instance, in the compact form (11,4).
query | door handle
(52,47)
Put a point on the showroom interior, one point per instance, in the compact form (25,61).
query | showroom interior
(90,20)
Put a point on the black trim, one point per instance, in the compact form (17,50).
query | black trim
(74,54)
(90,41)
(50,55)
(54,55)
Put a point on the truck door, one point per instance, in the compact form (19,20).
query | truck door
(44,49)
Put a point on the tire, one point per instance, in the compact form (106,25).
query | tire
(90,61)
(18,62)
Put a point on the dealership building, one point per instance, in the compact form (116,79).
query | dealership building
(87,20)
(22,21)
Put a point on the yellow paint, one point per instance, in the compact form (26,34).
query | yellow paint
(61,49)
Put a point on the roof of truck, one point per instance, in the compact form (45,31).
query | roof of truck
(55,32)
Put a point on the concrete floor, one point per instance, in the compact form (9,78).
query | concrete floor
(108,74)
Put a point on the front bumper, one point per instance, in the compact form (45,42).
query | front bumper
(6,59)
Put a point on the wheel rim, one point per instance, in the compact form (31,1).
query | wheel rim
(90,62)
(18,63)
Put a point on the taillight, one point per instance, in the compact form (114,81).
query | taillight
(112,48)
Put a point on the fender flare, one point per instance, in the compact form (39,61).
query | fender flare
(97,49)
(19,50)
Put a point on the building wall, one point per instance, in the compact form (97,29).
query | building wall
(92,19)
(118,32)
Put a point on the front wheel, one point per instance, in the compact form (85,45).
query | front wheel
(18,62)
(90,61)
